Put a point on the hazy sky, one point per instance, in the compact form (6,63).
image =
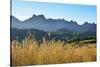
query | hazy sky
(80,13)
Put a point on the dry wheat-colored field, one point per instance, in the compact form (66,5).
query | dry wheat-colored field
(29,52)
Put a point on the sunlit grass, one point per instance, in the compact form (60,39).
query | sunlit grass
(29,52)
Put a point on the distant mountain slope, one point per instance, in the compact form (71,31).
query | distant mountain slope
(89,27)
(51,25)
(21,34)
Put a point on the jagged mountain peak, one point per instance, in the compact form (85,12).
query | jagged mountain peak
(38,16)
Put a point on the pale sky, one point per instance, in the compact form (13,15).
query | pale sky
(79,13)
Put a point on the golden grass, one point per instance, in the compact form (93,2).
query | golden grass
(50,52)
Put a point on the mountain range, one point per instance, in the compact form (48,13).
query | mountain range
(40,22)
(60,29)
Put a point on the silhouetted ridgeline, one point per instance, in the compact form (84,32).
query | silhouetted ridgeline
(57,29)
(41,23)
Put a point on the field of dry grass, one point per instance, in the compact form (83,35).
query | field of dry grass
(29,52)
